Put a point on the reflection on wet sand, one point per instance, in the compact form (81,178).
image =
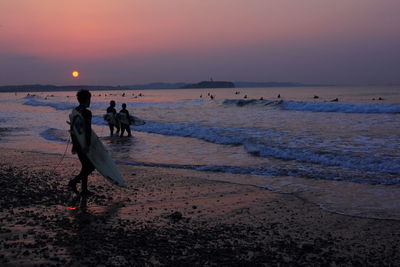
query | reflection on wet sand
(120,147)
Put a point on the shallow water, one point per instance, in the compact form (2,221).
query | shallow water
(343,156)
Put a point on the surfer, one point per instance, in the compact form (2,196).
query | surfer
(87,168)
(125,120)
(113,120)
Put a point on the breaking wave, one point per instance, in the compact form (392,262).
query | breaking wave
(275,144)
(318,106)
(40,102)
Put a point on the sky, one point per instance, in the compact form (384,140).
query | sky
(141,41)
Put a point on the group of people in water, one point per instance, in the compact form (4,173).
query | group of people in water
(120,121)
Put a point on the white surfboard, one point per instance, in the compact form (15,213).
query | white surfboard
(111,118)
(137,121)
(134,121)
(97,153)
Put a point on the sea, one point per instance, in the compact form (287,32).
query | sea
(336,147)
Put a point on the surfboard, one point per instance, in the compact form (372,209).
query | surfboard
(97,153)
(134,121)
(111,118)
(137,121)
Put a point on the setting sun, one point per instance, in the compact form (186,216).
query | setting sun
(75,74)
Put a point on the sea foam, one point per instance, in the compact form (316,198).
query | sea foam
(317,106)
(253,141)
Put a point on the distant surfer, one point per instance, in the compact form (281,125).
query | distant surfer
(111,118)
(125,119)
(83,117)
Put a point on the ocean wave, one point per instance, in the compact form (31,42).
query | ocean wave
(309,172)
(351,160)
(177,104)
(266,143)
(246,102)
(253,141)
(39,102)
(214,134)
(55,105)
(54,134)
(62,105)
(317,106)
(339,107)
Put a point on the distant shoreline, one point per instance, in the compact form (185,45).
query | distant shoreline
(153,86)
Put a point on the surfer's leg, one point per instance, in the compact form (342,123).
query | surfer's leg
(73,182)
(128,129)
(84,187)
(111,129)
(122,129)
(72,185)
(87,168)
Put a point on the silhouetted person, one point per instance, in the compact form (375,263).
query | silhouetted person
(113,121)
(87,166)
(125,120)
(279,96)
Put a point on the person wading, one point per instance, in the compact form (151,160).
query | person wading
(125,120)
(113,120)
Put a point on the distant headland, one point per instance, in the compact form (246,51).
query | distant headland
(209,84)
(179,85)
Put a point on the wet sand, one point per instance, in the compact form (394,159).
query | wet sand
(175,218)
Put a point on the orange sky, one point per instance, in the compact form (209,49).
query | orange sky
(79,32)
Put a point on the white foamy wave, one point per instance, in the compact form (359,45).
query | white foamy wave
(213,134)
(339,107)
(327,158)
(55,105)
(317,106)
(39,102)
(250,139)
(311,172)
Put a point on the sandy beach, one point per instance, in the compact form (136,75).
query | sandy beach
(175,218)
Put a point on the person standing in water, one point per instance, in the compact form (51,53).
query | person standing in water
(125,120)
(82,120)
(112,118)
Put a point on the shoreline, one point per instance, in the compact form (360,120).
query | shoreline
(326,190)
(173,217)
